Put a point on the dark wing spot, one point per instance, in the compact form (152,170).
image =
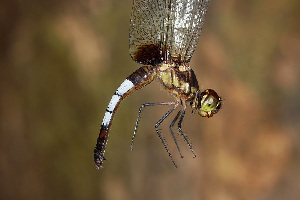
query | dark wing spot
(149,55)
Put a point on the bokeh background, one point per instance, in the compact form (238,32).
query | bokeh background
(61,61)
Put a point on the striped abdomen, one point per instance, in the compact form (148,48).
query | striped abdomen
(138,79)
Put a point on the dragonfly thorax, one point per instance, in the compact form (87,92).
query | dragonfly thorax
(180,81)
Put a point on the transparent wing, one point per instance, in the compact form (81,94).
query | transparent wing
(189,16)
(165,29)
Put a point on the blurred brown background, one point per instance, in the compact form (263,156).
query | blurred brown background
(61,61)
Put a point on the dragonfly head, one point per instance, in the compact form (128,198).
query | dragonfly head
(207,103)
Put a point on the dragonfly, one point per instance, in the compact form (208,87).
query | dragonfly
(163,36)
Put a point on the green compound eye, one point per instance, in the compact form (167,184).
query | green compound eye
(210,103)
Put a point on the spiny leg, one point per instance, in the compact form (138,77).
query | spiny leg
(171,126)
(159,135)
(183,135)
(139,114)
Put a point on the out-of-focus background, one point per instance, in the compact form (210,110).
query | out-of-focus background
(61,61)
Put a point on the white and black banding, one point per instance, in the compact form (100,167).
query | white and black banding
(111,108)
(124,87)
(141,77)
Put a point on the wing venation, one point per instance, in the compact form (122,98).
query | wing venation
(170,27)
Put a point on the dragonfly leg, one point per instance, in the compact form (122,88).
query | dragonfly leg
(159,135)
(171,126)
(139,114)
(183,135)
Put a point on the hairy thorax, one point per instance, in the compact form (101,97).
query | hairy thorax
(178,80)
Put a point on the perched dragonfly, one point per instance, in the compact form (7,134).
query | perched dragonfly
(163,36)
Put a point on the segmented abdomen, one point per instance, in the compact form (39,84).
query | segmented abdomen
(138,79)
